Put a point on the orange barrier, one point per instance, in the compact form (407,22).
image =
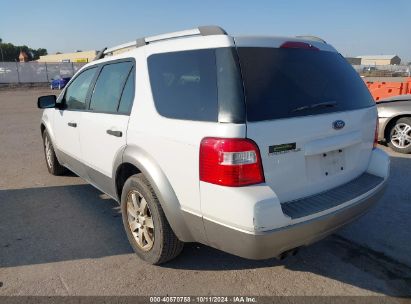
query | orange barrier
(381,89)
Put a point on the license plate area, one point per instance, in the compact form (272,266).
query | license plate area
(332,162)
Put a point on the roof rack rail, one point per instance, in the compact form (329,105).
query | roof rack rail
(100,54)
(313,38)
(199,31)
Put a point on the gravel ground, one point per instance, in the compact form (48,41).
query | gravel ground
(60,236)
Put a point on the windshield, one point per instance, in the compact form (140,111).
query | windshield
(283,83)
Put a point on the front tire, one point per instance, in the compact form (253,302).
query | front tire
(147,228)
(399,135)
(53,165)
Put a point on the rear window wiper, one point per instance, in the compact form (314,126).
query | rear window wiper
(328,104)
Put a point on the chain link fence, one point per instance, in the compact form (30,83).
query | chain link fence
(383,70)
(36,72)
(40,72)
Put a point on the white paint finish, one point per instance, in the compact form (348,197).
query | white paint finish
(379,163)
(67,138)
(249,209)
(295,174)
(332,143)
(47,119)
(257,208)
(99,149)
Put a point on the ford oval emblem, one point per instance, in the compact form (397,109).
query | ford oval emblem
(338,124)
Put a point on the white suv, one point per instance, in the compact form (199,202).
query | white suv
(252,145)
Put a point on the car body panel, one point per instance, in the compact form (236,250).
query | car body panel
(323,157)
(166,151)
(390,109)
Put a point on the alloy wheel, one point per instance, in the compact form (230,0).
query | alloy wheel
(48,151)
(401,136)
(140,220)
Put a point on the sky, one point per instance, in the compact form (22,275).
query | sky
(354,27)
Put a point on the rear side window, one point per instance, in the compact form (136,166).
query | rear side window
(283,83)
(184,84)
(76,92)
(109,87)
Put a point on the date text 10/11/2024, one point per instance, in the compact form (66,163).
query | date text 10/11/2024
(203,299)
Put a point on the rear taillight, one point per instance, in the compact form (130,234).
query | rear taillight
(376,134)
(231,162)
(298,45)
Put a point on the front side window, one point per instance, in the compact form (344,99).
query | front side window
(109,87)
(76,92)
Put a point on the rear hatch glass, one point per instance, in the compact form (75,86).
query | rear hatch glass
(284,82)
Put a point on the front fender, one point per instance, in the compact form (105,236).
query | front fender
(46,121)
(176,217)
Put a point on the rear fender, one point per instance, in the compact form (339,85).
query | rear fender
(176,217)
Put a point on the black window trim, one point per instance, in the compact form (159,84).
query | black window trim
(132,70)
(91,88)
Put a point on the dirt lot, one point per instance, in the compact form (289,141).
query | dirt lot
(60,236)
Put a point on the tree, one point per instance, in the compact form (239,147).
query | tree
(10,52)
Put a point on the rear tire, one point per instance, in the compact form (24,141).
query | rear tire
(399,135)
(53,165)
(147,228)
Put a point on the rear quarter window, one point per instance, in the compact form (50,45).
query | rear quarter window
(278,81)
(184,84)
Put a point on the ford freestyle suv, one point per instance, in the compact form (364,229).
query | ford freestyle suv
(252,145)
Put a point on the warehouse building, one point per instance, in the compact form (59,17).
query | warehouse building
(86,56)
(379,59)
(353,60)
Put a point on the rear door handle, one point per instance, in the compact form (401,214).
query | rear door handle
(72,124)
(115,133)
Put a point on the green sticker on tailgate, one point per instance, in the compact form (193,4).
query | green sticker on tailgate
(283,148)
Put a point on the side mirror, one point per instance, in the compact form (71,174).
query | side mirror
(46,102)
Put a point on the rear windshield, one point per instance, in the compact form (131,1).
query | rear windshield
(283,83)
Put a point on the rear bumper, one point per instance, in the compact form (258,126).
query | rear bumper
(267,244)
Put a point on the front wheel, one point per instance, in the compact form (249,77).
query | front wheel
(53,165)
(147,228)
(400,135)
